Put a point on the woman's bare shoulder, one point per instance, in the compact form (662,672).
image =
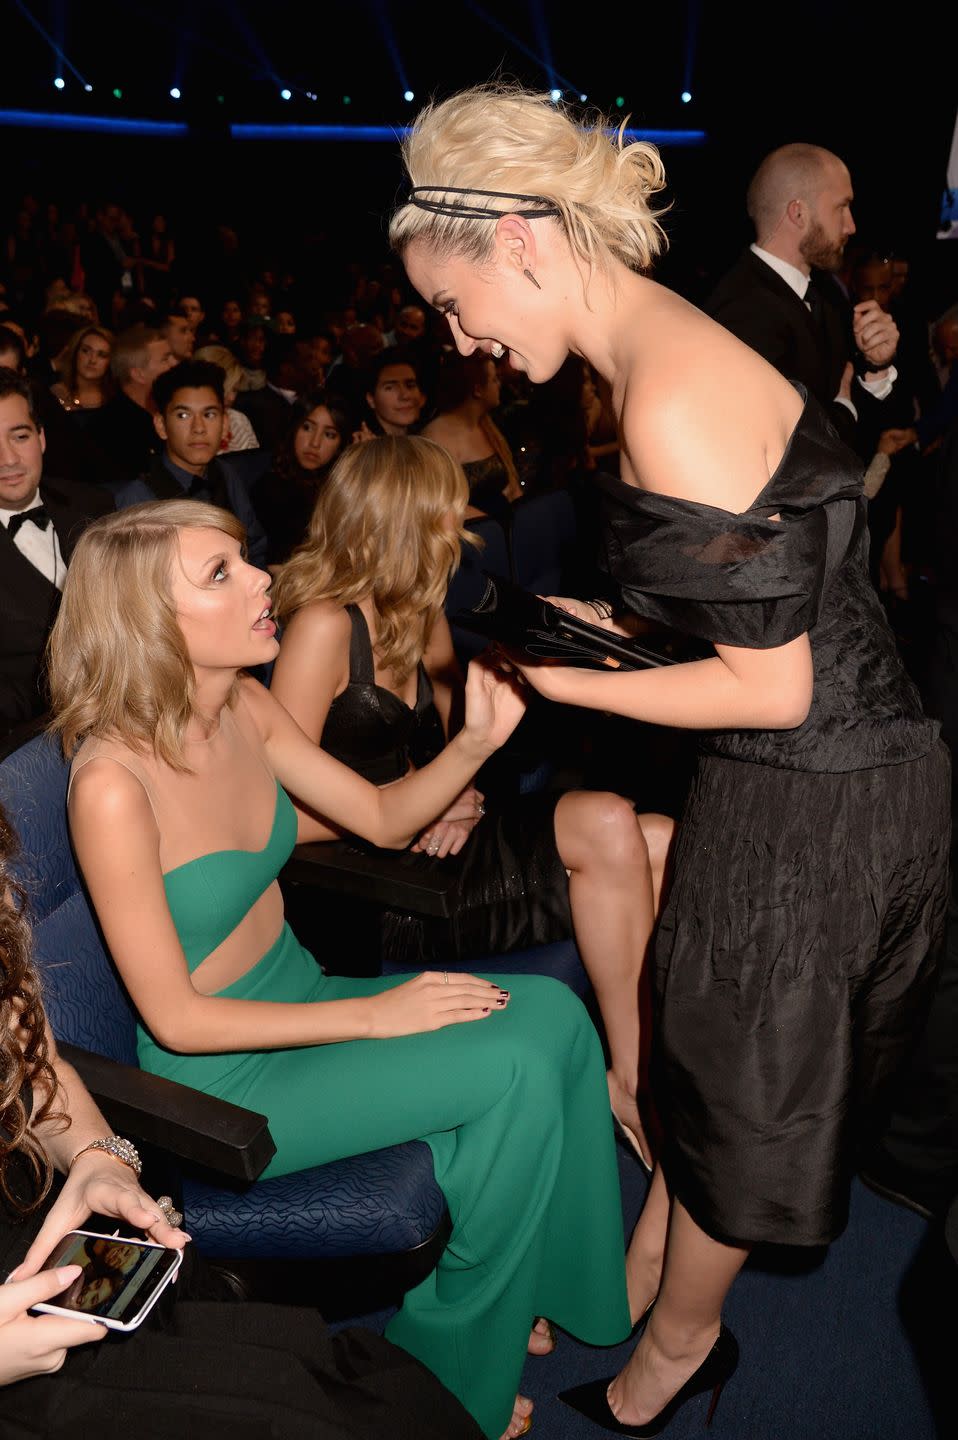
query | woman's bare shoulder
(708,428)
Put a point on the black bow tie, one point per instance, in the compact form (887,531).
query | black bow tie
(38,515)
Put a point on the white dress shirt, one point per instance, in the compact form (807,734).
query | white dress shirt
(40,547)
(798,281)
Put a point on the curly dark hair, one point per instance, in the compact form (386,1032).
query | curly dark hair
(24,1057)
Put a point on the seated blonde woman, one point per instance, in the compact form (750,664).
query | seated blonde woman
(367,670)
(181,819)
(238,433)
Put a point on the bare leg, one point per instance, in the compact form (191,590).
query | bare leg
(602,845)
(685,1322)
(646,1254)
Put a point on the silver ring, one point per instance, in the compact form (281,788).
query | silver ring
(480,809)
(445,977)
(171,1215)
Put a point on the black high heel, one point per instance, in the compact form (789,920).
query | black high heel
(592,1401)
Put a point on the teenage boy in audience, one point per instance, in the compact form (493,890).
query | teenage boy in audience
(188,420)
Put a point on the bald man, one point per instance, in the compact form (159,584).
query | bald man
(781,299)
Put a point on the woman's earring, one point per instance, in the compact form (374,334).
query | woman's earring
(529,276)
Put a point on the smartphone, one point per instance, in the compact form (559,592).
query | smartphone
(121,1279)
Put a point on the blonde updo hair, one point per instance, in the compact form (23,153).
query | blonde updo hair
(228,363)
(380,529)
(117,660)
(498,137)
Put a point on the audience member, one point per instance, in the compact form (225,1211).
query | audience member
(123,428)
(238,433)
(40,522)
(285,497)
(188,419)
(251,349)
(186,763)
(193,310)
(394,398)
(410,326)
(212,1365)
(781,299)
(468,394)
(85,367)
(267,408)
(176,329)
(347,374)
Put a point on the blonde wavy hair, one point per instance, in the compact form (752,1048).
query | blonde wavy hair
(117,661)
(228,363)
(380,530)
(501,137)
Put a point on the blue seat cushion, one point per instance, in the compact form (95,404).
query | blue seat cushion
(382,1203)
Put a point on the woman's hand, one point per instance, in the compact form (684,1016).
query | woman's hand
(582,610)
(101,1186)
(432,1001)
(38,1344)
(448,834)
(494,703)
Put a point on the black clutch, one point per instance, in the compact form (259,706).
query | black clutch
(542,631)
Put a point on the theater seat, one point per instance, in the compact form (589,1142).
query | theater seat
(383,1204)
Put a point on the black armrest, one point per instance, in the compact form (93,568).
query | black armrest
(185,1122)
(397,879)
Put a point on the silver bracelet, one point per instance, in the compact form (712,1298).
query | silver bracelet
(123,1150)
(602,608)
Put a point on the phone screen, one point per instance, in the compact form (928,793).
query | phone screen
(119,1276)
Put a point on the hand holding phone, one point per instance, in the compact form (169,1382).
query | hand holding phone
(115,1281)
(37,1344)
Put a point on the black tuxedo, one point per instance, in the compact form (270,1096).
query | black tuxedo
(29,602)
(761,308)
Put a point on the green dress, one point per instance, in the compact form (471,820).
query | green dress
(514,1108)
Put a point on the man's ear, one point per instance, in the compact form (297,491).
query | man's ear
(370,400)
(797,210)
(516,242)
(43,439)
(159,425)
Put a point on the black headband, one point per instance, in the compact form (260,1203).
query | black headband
(478,212)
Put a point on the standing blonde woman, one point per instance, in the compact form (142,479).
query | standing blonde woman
(792,957)
(367,670)
(181,820)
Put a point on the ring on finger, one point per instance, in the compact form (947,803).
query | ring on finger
(445,977)
(171,1215)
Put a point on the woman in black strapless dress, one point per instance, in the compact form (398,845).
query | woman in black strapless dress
(798,942)
(366,667)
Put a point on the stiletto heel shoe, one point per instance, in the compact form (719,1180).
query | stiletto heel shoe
(592,1400)
(629,1138)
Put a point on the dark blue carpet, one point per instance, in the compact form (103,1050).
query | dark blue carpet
(826,1354)
(856,1343)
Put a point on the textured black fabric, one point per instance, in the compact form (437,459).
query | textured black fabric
(206,1364)
(793,963)
(748,580)
(369,728)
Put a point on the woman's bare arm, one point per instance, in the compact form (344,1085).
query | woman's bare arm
(117,844)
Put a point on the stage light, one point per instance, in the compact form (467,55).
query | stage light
(408,95)
(286,94)
(59,82)
(88,89)
(619,101)
(347,99)
(221,99)
(175,93)
(686,96)
(118,93)
(583,98)
(555,96)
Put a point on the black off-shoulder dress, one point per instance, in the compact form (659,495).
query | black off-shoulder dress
(794,956)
